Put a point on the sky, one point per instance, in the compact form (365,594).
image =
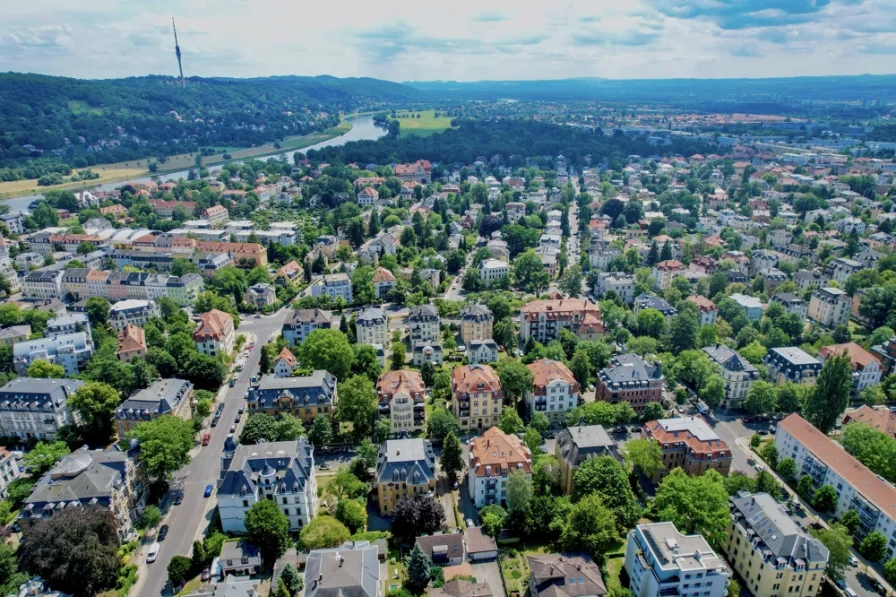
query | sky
(462,40)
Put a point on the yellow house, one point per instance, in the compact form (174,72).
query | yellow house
(771,553)
(404,467)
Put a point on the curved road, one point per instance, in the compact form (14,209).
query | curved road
(189,520)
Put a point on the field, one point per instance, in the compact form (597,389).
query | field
(123,171)
(427,124)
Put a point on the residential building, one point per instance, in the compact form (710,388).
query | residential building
(282,472)
(477,397)
(772,278)
(662,561)
(577,444)
(14,333)
(555,390)
(353,569)
(334,286)
(290,272)
(628,378)
(43,284)
(420,171)
(239,558)
(303,397)
(301,322)
(807,279)
(763,537)
(88,477)
(866,368)
(829,307)
(9,471)
(653,302)
(423,352)
(68,324)
(620,283)
(131,343)
(285,363)
(878,417)
(737,373)
(476,323)
(367,196)
(482,351)
(827,463)
(70,351)
(383,282)
(689,443)
(423,322)
(444,549)
(14,222)
(565,575)
(762,260)
(752,306)
(706,309)
(162,397)
(493,456)
(261,296)
(840,269)
(401,396)
(542,320)
(405,467)
(32,408)
(372,325)
(886,354)
(216,215)
(791,364)
(214,335)
(791,303)
(664,271)
(491,270)
(132,311)
(74,283)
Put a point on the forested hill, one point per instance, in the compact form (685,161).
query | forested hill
(105,121)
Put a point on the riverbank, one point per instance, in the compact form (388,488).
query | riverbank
(124,171)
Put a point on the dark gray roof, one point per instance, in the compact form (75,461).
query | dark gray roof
(80,477)
(406,461)
(729,359)
(352,570)
(307,316)
(161,397)
(787,298)
(372,314)
(780,535)
(630,369)
(551,573)
(585,441)
(423,313)
(476,312)
(316,389)
(29,393)
(644,301)
(292,462)
(447,545)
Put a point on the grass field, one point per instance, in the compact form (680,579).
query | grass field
(123,171)
(424,126)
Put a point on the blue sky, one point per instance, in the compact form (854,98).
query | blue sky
(463,40)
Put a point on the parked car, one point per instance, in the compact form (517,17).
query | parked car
(206,574)
(759,468)
(232,381)
(163,532)
(233,429)
(208,490)
(206,439)
(153,553)
(215,422)
(237,418)
(179,498)
(242,408)
(854,561)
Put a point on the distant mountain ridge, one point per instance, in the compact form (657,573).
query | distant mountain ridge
(861,87)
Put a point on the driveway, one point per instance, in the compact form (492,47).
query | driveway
(490,573)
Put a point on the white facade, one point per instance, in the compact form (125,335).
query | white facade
(372,327)
(334,285)
(9,471)
(829,307)
(43,285)
(622,284)
(493,269)
(132,311)
(559,398)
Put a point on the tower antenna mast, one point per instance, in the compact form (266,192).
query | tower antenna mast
(180,66)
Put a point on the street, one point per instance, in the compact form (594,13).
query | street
(188,520)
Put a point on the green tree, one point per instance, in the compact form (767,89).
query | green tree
(825,499)
(529,272)
(179,570)
(570,282)
(770,455)
(804,486)
(441,423)
(151,517)
(452,460)
(352,514)
(267,528)
(165,444)
(683,332)
(890,570)
(695,504)
(605,477)
(399,356)
(713,393)
(321,432)
(643,455)
(838,541)
(651,323)
(43,456)
(851,520)
(826,404)
(875,449)
(357,405)
(427,372)
(418,570)
(516,380)
(591,526)
(96,402)
(291,579)
(492,518)
(98,311)
(346,486)
(45,369)
(519,494)
(761,399)
(540,423)
(653,411)
(874,546)
(327,349)
(787,468)
(509,421)
(581,368)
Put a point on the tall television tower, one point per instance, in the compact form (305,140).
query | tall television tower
(177,51)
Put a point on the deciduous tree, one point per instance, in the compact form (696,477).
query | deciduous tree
(322,532)
(696,504)
(452,456)
(826,404)
(165,445)
(516,380)
(357,405)
(328,350)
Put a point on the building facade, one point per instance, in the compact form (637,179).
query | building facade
(69,351)
(162,397)
(577,444)
(32,408)
(737,373)
(628,378)
(477,397)
(372,325)
(493,456)
(555,390)
(689,443)
(401,396)
(132,311)
(301,322)
(829,307)
(303,397)
(405,467)
(476,323)
(542,320)
(424,324)
(214,335)
(791,364)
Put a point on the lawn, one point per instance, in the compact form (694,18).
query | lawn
(615,563)
(515,567)
(427,124)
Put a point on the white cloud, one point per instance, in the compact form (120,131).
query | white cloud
(461,40)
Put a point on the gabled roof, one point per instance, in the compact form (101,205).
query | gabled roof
(131,339)
(286,356)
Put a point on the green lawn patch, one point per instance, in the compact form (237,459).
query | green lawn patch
(427,124)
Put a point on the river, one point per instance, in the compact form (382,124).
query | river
(362,129)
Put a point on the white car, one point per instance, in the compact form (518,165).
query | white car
(153,553)
(759,468)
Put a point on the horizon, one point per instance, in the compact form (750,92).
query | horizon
(464,42)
